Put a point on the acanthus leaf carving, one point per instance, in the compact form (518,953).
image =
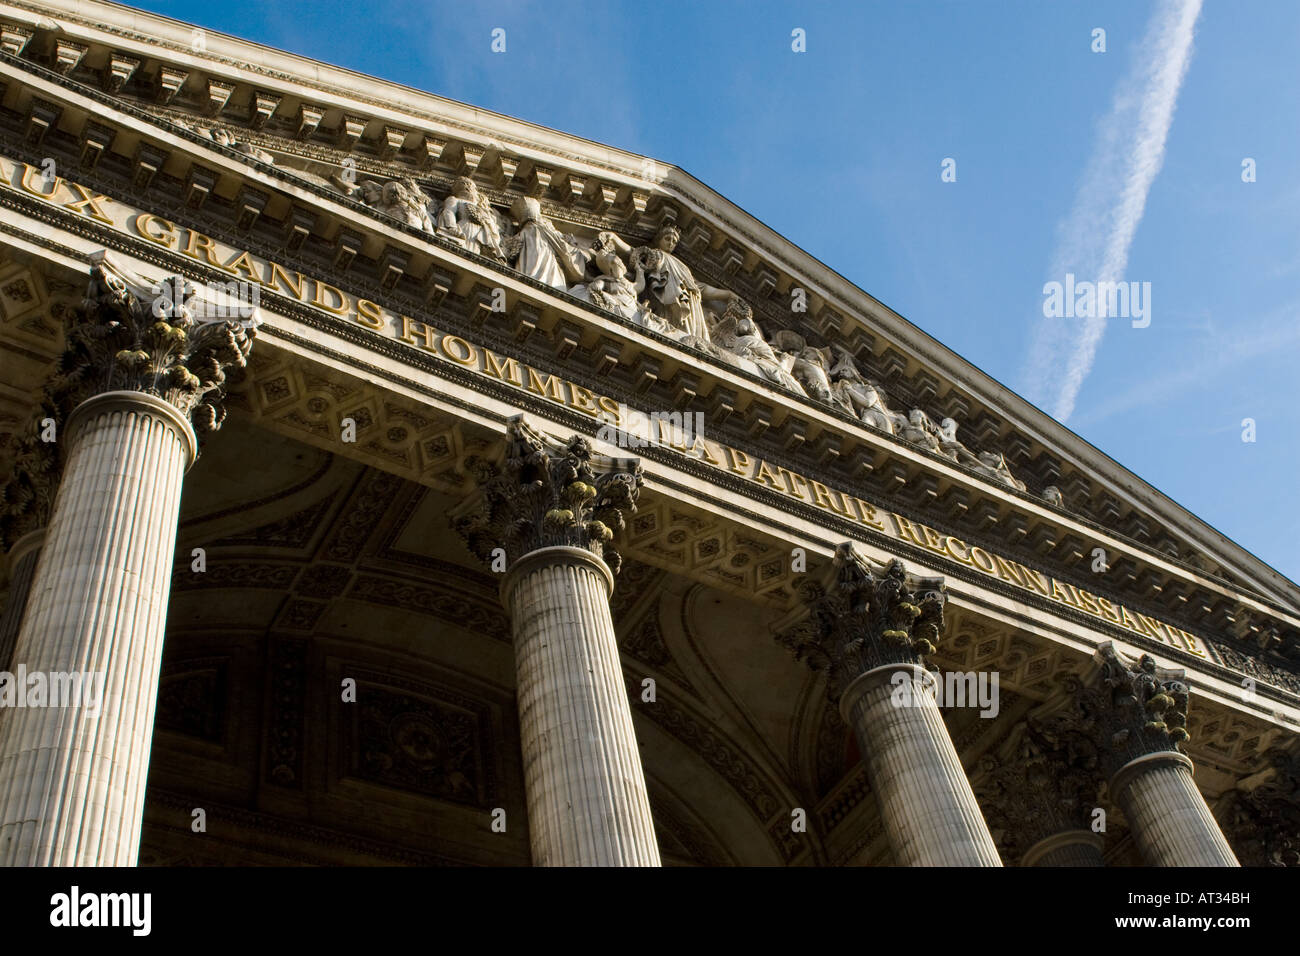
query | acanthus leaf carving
(862,619)
(128,337)
(547,495)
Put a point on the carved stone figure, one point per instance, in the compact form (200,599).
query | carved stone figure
(994,466)
(810,365)
(403,199)
(468,219)
(538,250)
(857,396)
(1052,495)
(612,291)
(675,294)
(919,429)
(226,138)
(739,337)
(952,448)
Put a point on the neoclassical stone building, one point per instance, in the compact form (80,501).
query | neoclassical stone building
(423,486)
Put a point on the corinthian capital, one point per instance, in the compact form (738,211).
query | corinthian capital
(548,494)
(861,619)
(127,337)
(1125,709)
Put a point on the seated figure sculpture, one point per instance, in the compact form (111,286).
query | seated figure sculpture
(919,429)
(403,199)
(612,291)
(994,465)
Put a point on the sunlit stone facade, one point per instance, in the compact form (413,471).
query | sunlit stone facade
(409,484)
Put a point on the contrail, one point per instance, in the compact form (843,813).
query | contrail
(1095,238)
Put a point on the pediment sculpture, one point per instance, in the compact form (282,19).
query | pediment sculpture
(675,295)
(918,428)
(611,289)
(650,286)
(743,345)
(994,465)
(809,365)
(539,251)
(952,448)
(468,219)
(403,199)
(224,137)
(856,395)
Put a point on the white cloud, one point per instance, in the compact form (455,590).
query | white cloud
(1095,238)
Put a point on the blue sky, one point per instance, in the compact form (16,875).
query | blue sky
(839,149)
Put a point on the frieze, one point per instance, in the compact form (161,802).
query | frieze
(233,574)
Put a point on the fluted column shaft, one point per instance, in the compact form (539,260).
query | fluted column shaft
(72,785)
(587,802)
(929,810)
(1068,848)
(23,558)
(1167,814)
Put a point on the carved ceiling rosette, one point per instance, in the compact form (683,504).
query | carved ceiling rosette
(860,619)
(547,494)
(1263,823)
(129,336)
(1123,709)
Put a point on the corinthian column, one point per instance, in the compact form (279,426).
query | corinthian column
(136,370)
(548,516)
(871,632)
(1134,717)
